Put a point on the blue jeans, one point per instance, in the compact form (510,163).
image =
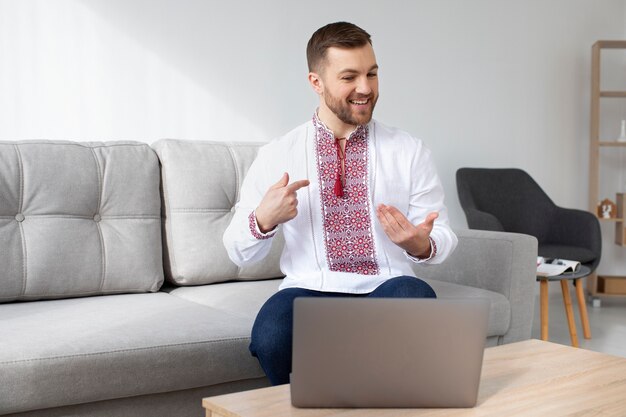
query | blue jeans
(272,332)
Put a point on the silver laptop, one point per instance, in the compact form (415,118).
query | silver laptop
(386,352)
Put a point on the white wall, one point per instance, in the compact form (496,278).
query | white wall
(492,83)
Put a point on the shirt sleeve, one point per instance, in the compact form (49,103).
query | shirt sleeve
(427,196)
(243,240)
(256,230)
(433,253)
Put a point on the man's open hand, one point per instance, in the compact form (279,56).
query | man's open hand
(279,205)
(411,238)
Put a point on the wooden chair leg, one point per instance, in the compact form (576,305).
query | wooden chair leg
(543,298)
(567,301)
(584,318)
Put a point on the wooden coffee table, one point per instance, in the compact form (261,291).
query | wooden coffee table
(530,378)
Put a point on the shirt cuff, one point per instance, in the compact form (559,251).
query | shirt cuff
(254,228)
(433,252)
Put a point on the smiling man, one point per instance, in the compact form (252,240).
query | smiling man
(364,204)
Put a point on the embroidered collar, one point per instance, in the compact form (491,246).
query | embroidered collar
(359,132)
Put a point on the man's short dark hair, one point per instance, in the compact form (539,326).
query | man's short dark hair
(338,34)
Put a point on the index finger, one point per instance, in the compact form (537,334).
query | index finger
(296,185)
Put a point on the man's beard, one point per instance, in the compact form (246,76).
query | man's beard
(346,111)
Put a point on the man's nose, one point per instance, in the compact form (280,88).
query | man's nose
(363,86)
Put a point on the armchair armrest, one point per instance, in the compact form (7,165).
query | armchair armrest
(576,228)
(482,220)
(505,263)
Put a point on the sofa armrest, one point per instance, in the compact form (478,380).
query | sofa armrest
(497,261)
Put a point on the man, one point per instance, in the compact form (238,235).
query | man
(365,204)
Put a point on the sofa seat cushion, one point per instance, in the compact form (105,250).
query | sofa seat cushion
(245,299)
(63,352)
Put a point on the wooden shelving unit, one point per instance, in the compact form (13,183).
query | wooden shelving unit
(604,285)
(620,231)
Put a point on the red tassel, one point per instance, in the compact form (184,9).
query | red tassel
(338,188)
(341,157)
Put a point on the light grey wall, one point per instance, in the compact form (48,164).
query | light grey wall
(491,83)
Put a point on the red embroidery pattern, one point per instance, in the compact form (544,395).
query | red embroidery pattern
(432,242)
(347,226)
(252,224)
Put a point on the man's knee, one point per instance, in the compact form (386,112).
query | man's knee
(268,340)
(404,286)
(272,329)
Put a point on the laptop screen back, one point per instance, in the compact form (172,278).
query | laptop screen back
(386,352)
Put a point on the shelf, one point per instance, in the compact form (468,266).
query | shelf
(606,294)
(613,94)
(613,143)
(611,44)
(620,231)
(611,285)
(604,285)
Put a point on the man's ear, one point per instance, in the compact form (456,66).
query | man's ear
(316,82)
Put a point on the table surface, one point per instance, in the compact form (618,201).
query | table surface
(529,378)
(582,272)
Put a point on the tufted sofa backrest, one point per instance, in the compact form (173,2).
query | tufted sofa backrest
(78,219)
(201,182)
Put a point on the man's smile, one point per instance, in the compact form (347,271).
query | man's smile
(361,102)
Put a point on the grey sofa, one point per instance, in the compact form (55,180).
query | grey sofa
(117,297)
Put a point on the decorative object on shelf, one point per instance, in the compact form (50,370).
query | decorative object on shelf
(607,209)
(622,135)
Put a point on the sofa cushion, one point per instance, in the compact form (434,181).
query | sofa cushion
(78,219)
(62,352)
(200,185)
(245,299)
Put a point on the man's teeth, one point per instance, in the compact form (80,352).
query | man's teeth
(359,101)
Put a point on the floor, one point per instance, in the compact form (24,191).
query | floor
(608,324)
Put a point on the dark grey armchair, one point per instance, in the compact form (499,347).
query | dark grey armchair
(509,200)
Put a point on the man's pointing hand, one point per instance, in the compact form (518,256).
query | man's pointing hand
(279,205)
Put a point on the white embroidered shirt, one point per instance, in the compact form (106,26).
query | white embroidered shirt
(337,244)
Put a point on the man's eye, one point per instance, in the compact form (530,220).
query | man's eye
(347,78)
(372,75)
